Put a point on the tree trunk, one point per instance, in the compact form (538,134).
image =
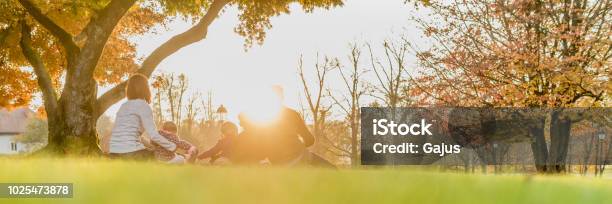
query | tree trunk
(538,147)
(559,141)
(355,160)
(73,130)
(63,139)
(481,153)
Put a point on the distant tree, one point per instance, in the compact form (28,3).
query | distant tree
(519,53)
(584,141)
(349,99)
(209,108)
(191,112)
(196,117)
(336,145)
(157,92)
(170,90)
(391,86)
(314,95)
(35,135)
(516,53)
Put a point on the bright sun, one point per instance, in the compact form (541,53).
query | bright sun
(263,107)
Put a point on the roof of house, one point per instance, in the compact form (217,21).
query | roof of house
(14,121)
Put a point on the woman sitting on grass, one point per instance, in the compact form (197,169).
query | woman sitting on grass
(133,118)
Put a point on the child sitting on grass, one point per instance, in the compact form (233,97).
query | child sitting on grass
(169,131)
(229,134)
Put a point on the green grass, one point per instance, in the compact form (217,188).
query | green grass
(103,181)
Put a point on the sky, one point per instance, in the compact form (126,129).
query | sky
(220,63)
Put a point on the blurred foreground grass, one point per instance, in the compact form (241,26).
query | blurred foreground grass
(104,181)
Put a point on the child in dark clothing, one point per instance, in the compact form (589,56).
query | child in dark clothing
(229,134)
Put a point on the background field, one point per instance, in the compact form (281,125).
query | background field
(102,181)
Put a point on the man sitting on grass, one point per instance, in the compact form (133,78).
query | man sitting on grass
(169,131)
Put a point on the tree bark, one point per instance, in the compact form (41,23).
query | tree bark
(559,141)
(538,146)
(355,160)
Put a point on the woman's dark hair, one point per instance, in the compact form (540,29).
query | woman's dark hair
(138,88)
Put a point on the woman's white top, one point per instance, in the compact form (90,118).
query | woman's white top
(134,118)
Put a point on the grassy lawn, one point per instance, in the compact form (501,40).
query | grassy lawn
(102,181)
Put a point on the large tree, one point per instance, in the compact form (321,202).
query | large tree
(74,46)
(522,54)
(517,53)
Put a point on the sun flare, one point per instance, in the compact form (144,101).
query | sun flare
(264,107)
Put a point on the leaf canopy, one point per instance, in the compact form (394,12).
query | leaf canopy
(119,58)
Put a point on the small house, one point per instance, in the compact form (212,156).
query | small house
(13,123)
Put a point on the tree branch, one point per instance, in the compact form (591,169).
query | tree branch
(306,89)
(42,76)
(3,34)
(98,30)
(194,34)
(64,37)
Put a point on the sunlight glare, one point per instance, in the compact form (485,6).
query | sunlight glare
(263,108)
